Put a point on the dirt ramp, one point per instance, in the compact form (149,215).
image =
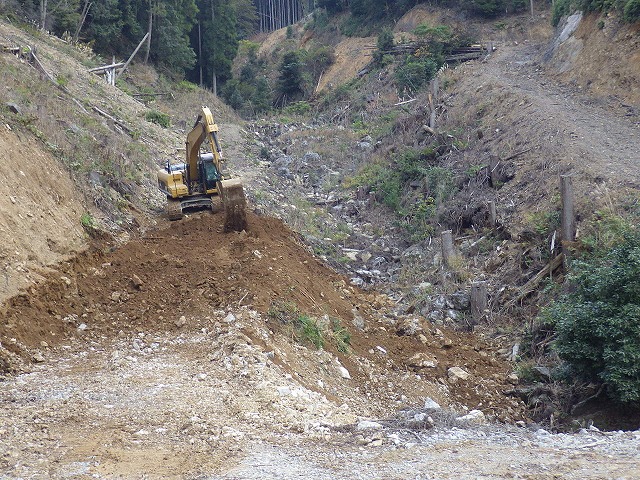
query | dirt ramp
(189,269)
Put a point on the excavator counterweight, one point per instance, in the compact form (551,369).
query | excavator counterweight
(194,183)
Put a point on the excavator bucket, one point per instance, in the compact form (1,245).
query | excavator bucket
(234,204)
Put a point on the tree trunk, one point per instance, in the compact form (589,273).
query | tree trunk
(200,51)
(83,18)
(149,28)
(448,251)
(478,301)
(43,14)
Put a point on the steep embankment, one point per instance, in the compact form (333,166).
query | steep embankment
(598,54)
(39,212)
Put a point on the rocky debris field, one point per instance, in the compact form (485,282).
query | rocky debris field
(230,399)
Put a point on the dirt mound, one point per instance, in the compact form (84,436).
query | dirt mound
(187,275)
(187,269)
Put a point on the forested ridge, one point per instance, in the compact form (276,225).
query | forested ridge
(198,39)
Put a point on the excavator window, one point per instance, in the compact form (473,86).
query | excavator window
(211,174)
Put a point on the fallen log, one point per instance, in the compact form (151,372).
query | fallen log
(533,282)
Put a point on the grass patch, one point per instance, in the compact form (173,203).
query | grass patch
(310,330)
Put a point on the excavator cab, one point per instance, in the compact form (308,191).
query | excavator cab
(209,172)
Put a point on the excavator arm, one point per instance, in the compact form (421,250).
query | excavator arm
(205,129)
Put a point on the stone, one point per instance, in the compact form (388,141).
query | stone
(344,373)
(453,315)
(284,391)
(431,404)
(13,108)
(474,416)
(513,379)
(137,283)
(230,318)
(368,425)
(460,300)
(351,255)
(311,157)
(422,360)
(181,322)
(409,326)
(457,373)
(440,303)
(446,343)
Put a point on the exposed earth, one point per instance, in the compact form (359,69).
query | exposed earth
(173,355)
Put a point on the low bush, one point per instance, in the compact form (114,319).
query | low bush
(598,324)
(158,118)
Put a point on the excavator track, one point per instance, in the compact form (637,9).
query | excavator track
(174,209)
(234,205)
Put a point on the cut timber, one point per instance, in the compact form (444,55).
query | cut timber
(528,287)
(126,64)
(493,214)
(234,204)
(114,120)
(106,67)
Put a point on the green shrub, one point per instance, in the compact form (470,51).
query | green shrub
(631,11)
(415,73)
(186,86)
(297,108)
(384,43)
(158,118)
(598,324)
(87,221)
(311,330)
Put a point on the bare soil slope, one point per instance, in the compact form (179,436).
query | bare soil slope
(39,212)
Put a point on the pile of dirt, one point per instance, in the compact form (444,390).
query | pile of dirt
(178,277)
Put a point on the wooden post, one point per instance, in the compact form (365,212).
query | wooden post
(478,301)
(432,120)
(493,214)
(568,226)
(435,86)
(494,177)
(448,251)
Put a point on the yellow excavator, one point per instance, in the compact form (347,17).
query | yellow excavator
(193,184)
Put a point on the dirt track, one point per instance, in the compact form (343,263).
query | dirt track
(602,136)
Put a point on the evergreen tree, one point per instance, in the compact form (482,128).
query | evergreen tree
(290,80)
